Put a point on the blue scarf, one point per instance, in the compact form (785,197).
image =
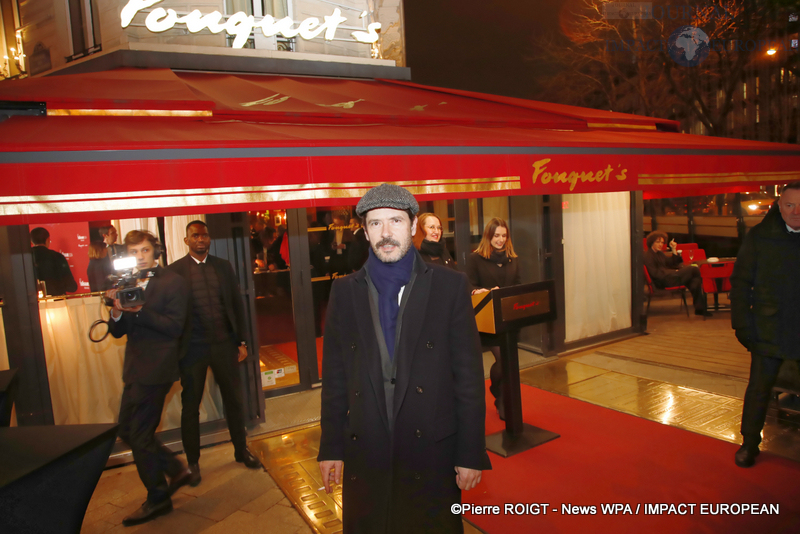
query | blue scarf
(388,278)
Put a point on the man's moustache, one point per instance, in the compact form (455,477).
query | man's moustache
(387,241)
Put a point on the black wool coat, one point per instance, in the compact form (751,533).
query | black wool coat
(444,258)
(152,351)
(484,273)
(765,289)
(403,480)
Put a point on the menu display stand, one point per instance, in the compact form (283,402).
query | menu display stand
(503,312)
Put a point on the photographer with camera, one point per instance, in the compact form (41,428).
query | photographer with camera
(149,306)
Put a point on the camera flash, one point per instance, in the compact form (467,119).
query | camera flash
(123,264)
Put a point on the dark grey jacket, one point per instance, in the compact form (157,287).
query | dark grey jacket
(765,290)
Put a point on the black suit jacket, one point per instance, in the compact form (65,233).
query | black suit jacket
(659,265)
(231,296)
(404,477)
(52,267)
(153,350)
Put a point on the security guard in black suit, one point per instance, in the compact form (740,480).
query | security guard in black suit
(214,336)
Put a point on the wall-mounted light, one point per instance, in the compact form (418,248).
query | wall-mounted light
(19,62)
(19,54)
(771,52)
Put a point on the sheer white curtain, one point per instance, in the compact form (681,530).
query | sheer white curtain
(175,230)
(86,378)
(3,349)
(126,225)
(597,263)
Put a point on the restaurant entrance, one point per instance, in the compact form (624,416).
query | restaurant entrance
(298,253)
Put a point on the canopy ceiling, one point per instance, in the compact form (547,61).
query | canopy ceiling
(249,141)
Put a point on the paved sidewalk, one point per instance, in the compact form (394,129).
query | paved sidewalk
(230,499)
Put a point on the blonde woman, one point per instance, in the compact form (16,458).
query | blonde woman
(494,265)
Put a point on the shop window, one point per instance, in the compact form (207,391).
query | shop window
(85,377)
(483,210)
(273,299)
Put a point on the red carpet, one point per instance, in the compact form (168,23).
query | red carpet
(606,457)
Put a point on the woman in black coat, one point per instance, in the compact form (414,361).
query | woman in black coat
(99,267)
(428,240)
(492,266)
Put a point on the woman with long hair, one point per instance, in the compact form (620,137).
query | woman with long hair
(494,265)
(429,240)
(99,266)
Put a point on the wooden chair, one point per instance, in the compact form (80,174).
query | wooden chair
(652,290)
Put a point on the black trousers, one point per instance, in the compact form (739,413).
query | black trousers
(763,374)
(139,416)
(222,358)
(492,342)
(689,276)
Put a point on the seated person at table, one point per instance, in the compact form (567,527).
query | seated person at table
(669,271)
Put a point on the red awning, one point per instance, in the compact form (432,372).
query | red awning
(252,140)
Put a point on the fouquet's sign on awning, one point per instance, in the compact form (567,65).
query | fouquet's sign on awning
(178,142)
(241,25)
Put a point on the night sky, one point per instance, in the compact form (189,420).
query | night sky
(477,45)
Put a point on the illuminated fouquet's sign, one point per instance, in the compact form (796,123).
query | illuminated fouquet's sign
(544,176)
(242,25)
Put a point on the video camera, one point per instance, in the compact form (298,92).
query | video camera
(126,282)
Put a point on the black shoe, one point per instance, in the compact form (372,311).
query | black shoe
(147,512)
(501,408)
(246,457)
(196,478)
(746,456)
(704,313)
(182,479)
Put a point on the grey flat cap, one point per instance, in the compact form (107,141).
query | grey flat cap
(387,196)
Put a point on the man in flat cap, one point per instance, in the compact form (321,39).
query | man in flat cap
(402,385)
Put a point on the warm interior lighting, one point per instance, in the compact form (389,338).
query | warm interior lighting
(771,52)
(129,112)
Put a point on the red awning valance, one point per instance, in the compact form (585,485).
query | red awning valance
(260,140)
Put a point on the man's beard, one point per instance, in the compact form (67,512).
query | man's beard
(399,253)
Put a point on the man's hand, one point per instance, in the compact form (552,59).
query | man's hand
(673,246)
(467,478)
(242,353)
(331,470)
(112,294)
